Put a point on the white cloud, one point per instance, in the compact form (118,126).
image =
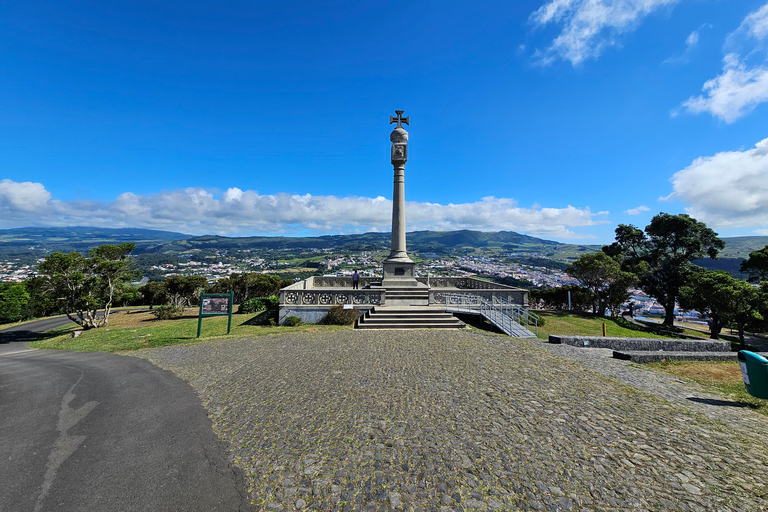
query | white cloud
(729,189)
(590,26)
(733,93)
(743,83)
(23,196)
(691,42)
(637,211)
(238,212)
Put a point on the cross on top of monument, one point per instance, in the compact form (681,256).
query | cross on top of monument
(399,118)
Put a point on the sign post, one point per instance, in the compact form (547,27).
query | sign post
(215,304)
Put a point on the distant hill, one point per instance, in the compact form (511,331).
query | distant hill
(37,241)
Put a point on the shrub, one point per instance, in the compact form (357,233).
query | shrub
(256,304)
(167,312)
(292,321)
(337,315)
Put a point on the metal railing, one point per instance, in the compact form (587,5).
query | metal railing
(513,319)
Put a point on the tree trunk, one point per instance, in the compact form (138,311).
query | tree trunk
(741,335)
(669,315)
(714,331)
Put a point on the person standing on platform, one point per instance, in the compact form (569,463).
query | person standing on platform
(355,280)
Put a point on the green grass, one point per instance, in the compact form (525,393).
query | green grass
(723,377)
(585,324)
(126,333)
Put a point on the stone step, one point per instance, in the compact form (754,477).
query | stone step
(655,356)
(413,320)
(408,317)
(409,325)
(408,314)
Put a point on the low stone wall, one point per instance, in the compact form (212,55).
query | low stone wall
(646,357)
(311,304)
(310,314)
(646,344)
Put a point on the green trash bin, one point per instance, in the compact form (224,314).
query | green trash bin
(754,369)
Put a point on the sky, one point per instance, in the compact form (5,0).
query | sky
(555,118)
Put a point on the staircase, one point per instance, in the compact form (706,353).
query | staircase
(408,317)
(512,319)
(407,296)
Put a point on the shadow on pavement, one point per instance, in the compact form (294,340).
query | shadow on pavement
(18,336)
(719,403)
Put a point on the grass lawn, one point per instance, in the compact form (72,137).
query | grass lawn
(724,377)
(136,330)
(585,324)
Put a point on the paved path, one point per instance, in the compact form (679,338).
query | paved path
(464,421)
(10,337)
(92,432)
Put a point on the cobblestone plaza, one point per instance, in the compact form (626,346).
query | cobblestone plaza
(468,420)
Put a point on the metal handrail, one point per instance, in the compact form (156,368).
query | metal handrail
(498,311)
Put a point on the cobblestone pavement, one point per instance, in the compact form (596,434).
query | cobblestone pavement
(464,421)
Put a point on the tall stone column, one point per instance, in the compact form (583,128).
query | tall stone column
(398,267)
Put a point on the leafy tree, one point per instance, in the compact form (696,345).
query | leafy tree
(181,291)
(41,302)
(557,298)
(14,303)
(154,293)
(721,297)
(83,285)
(756,265)
(603,276)
(248,285)
(662,257)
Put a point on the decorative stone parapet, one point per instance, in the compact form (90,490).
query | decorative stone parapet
(515,296)
(331,297)
(644,344)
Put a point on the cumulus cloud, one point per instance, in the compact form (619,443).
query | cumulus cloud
(24,197)
(239,212)
(637,211)
(743,83)
(729,189)
(590,26)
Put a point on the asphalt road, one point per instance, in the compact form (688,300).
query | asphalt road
(84,431)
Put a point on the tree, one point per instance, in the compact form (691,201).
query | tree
(181,290)
(14,303)
(84,285)
(722,298)
(153,293)
(662,258)
(602,275)
(249,285)
(756,265)
(581,299)
(711,293)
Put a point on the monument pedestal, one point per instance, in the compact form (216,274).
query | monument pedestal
(399,274)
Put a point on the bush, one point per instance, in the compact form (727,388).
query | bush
(256,304)
(337,315)
(292,321)
(167,312)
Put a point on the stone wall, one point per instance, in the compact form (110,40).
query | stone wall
(645,344)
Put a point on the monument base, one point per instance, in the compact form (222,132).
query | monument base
(399,274)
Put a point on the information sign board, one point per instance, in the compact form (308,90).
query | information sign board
(215,304)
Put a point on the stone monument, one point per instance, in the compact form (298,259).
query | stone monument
(399,269)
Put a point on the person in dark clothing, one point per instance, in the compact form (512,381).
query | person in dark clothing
(355,280)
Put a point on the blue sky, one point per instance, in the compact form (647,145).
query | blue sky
(556,118)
